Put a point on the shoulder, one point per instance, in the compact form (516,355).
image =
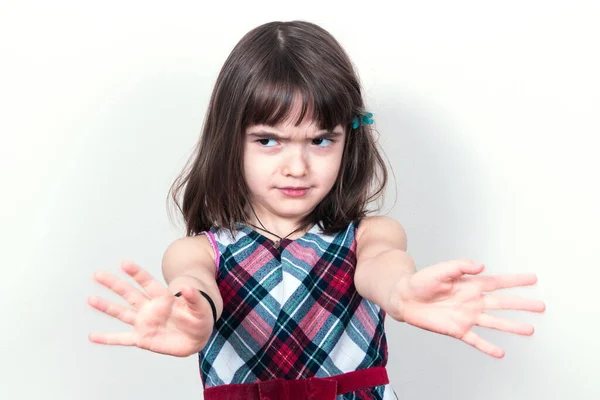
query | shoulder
(189,251)
(194,244)
(380,230)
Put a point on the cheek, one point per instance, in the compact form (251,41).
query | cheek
(249,162)
(332,174)
(256,169)
(330,166)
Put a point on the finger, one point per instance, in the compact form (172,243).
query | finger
(495,282)
(153,287)
(505,302)
(503,324)
(483,345)
(117,339)
(121,287)
(455,269)
(118,311)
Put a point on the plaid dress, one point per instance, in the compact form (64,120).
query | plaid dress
(291,312)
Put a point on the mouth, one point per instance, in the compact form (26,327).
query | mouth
(294,191)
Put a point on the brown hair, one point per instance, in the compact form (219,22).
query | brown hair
(266,71)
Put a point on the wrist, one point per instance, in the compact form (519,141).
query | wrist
(397,298)
(178,283)
(210,302)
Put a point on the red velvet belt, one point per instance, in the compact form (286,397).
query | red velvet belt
(300,389)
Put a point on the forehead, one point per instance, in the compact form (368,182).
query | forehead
(292,125)
(288,105)
(292,118)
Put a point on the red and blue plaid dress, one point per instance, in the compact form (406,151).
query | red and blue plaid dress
(291,312)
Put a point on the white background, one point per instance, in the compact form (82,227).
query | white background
(488,113)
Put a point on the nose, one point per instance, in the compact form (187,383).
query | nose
(295,164)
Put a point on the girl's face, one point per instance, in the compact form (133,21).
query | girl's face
(290,169)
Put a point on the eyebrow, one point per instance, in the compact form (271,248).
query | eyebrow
(275,135)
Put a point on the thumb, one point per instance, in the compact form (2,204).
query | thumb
(194,300)
(451,270)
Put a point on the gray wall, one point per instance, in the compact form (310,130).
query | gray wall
(488,112)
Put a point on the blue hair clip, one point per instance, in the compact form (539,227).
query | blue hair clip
(362,119)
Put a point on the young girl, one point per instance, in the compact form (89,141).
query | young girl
(282,282)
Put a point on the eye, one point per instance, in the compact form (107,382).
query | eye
(322,142)
(267,142)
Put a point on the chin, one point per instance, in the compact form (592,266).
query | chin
(293,213)
(292,210)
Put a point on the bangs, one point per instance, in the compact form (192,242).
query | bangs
(285,92)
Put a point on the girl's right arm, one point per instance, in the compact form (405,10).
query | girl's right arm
(189,265)
(161,322)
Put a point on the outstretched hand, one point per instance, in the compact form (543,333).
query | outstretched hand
(442,299)
(162,322)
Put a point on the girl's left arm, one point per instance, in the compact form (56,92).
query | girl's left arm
(383,265)
(448,298)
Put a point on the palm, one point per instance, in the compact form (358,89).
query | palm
(449,308)
(165,325)
(442,299)
(161,322)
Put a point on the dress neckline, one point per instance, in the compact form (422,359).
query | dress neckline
(249,229)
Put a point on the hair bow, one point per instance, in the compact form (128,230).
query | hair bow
(362,119)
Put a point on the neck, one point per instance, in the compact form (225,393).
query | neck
(276,227)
